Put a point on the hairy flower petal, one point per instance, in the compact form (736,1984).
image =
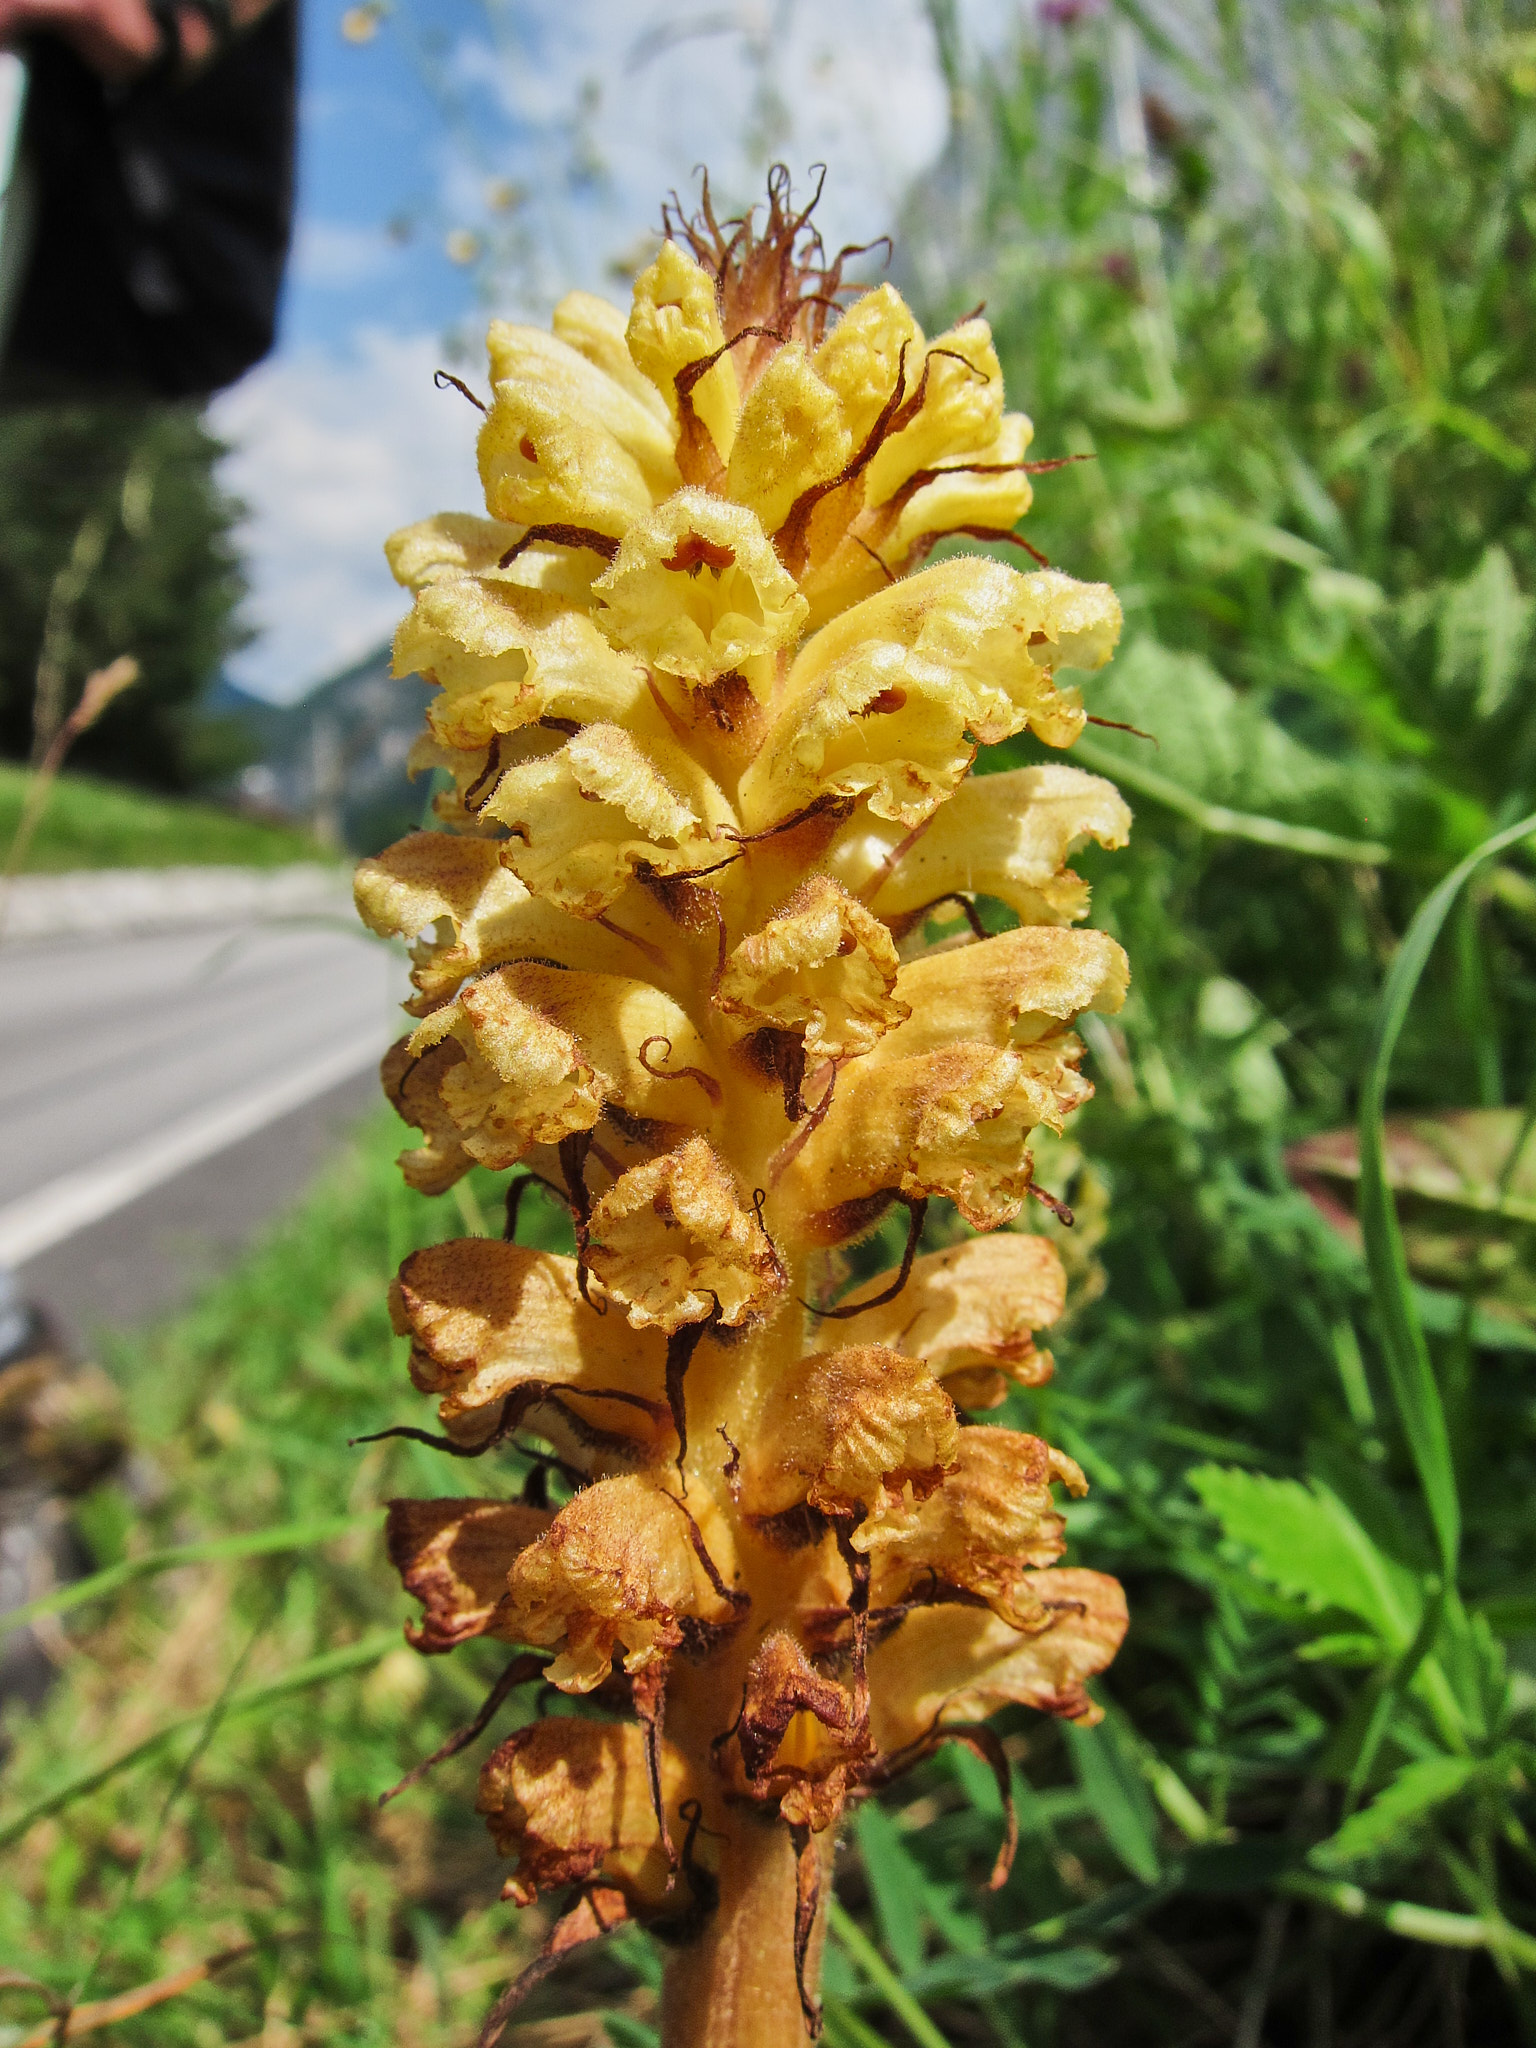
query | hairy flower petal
(697,591)
(889,701)
(1011,990)
(962,408)
(587,819)
(790,436)
(506,657)
(844,1429)
(823,968)
(1007,835)
(674,1242)
(675,322)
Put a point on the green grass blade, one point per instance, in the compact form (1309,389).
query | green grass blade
(881,1977)
(314,1671)
(1409,1371)
(255,1543)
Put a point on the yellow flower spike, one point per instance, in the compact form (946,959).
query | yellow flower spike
(696,591)
(712,735)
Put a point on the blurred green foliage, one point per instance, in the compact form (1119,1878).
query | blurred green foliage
(115,538)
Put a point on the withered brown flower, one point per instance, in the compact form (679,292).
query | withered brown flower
(712,731)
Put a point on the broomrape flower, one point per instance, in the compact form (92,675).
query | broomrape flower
(711,723)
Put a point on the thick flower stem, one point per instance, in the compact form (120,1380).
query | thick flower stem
(734,1987)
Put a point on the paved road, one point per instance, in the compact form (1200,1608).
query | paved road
(173,1085)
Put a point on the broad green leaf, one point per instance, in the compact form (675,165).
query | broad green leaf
(1484,631)
(625,2032)
(1223,748)
(1305,1541)
(896,1884)
(1118,1797)
(1415,1792)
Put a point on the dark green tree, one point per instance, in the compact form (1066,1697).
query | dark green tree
(116,538)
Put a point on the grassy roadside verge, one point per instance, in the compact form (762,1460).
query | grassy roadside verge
(90,823)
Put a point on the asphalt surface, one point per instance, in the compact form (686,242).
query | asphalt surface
(162,1094)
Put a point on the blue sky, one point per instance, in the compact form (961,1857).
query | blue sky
(543,133)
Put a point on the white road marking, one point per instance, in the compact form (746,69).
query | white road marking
(56,1211)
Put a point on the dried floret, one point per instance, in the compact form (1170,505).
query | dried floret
(493,1323)
(952,1663)
(989,1519)
(546,1050)
(454,1556)
(971,1311)
(954,1122)
(620,1569)
(572,1800)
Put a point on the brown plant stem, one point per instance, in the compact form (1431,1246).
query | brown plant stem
(734,1986)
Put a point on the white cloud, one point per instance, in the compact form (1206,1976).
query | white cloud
(331,454)
(337,255)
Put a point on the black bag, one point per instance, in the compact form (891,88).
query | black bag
(160,221)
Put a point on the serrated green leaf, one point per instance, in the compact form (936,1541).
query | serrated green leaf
(1118,1797)
(1484,630)
(1305,1541)
(1415,1792)
(1223,748)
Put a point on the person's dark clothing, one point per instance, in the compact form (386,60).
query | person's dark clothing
(163,215)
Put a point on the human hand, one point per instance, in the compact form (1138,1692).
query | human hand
(118,39)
